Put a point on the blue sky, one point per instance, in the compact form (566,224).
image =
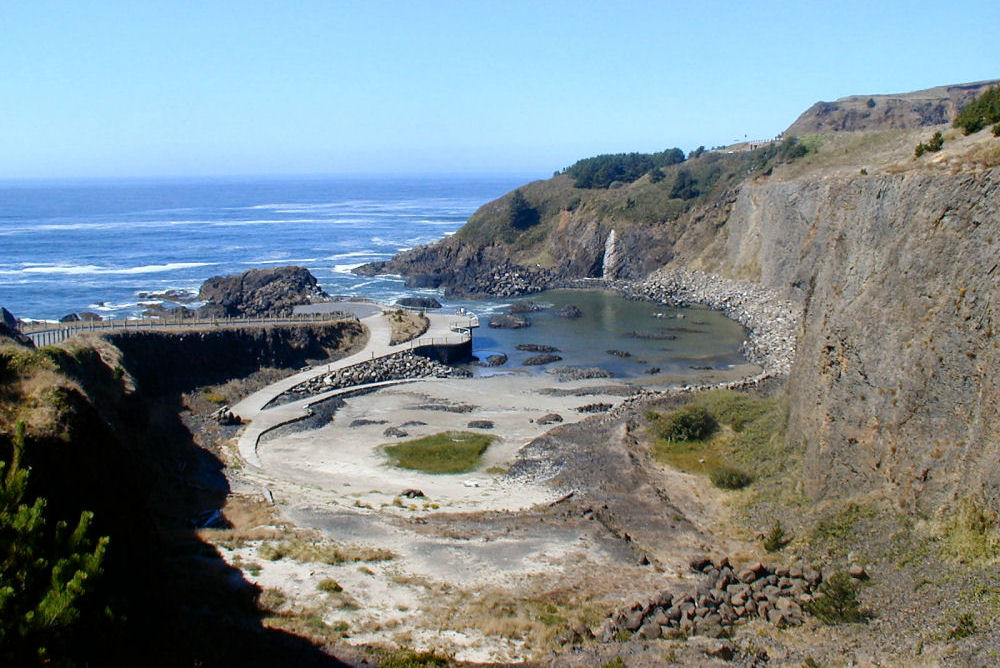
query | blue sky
(101,89)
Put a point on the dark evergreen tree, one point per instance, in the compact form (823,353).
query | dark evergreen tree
(520,213)
(45,571)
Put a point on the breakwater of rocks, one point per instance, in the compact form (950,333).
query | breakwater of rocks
(727,596)
(398,366)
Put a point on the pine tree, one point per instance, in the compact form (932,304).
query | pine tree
(44,572)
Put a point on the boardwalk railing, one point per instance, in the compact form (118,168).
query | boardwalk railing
(46,334)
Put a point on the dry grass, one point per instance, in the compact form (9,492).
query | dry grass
(406,325)
(298,549)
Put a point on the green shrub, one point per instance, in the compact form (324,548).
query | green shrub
(689,423)
(838,601)
(933,146)
(603,171)
(729,478)
(45,571)
(996,130)
(979,113)
(965,626)
(777,539)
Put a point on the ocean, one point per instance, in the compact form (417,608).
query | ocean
(100,246)
(105,247)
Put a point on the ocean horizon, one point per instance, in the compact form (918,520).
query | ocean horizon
(105,245)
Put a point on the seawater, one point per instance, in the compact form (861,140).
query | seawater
(631,339)
(96,246)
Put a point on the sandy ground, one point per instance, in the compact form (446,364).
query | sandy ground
(481,555)
(346,460)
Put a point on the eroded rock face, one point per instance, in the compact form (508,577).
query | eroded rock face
(260,292)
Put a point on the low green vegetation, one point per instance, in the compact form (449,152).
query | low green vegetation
(838,601)
(979,113)
(405,658)
(604,171)
(46,570)
(446,452)
(777,539)
(731,437)
(726,477)
(934,145)
(971,535)
(964,627)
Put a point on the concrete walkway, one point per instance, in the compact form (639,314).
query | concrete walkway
(260,419)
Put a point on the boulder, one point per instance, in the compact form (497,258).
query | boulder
(536,348)
(70,317)
(550,418)
(418,302)
(89,316)
(260,292)
(7,318)
(568,311)
(480,424)
(544,358)
(508,321)
(395,432)
(496,360)
(524,306)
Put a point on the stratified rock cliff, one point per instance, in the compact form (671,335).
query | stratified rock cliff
(893,258)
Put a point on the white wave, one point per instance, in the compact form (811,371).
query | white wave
(346,268)
(74,270)
(105,306)
(364,253)
(282,261)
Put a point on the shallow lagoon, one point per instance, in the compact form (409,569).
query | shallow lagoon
(680,338)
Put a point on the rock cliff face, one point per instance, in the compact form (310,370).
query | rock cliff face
(892,385)
(896,273)
(887,112)
(260,292)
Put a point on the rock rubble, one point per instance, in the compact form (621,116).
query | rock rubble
(398,366)
(727,595)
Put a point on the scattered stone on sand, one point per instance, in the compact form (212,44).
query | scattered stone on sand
(480,424)
(395,432)
(566,373)
(362,422)
(550,418)
(594,408)
(413,494)
(619,353)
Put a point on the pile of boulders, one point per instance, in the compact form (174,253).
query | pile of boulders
(398,366)
(510,280)
(728,596)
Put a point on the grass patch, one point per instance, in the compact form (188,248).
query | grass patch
(970,535)
(300,550)
(406,325)
(726,477)
(406,658)
(729,436)
(838,601)
(446,452)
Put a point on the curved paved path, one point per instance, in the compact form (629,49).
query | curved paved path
(260,419)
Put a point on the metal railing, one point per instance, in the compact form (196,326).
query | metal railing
(46,334)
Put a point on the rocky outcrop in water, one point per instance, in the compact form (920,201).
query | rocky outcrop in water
(260,292)
(418,302)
